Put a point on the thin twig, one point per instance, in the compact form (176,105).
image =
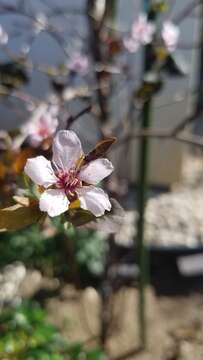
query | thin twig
(161,135)
(95,48)
(188,120)
(186,11)
(72,118)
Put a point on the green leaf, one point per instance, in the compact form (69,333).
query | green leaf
(78,217)
(152,83)
(19,216)
(13,75)
(160,6)
(37,340)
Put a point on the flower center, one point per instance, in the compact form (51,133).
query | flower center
(68,181)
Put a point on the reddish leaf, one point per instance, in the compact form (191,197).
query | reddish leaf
(100,150)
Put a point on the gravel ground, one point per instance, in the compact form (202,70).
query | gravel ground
(174,325)
(173,218)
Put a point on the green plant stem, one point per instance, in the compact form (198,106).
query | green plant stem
(142,194)
(142,249)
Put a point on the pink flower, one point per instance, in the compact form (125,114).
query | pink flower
(141,34)
(65,180)
(131,45)
(41,125)
(170,34)
(79,63)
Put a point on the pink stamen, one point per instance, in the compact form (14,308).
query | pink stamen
(68,181)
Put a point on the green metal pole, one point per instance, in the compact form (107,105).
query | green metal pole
(142,194)
(142,249)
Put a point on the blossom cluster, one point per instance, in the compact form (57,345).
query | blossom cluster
(143,31)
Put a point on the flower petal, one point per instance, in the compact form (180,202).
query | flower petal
(67,149)
(143,30)
(170,35)
(131,44)
(96,171)
(94,199)
(39,169)
(54,202)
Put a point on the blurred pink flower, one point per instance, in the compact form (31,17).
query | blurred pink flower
(64,180)
(131,45)
(79,63)
(42,124)
(3,36)
(170,34)
(141,34)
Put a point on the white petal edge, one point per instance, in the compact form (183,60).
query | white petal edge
(67,149)
(40,171)
(96,171)
(94,199)
(54,202)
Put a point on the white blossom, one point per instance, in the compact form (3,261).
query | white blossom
(141,34)
(64,179)
(170,35)
(42,124)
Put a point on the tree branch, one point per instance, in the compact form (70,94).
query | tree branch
(186,11)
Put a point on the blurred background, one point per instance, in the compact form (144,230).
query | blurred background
(86,294)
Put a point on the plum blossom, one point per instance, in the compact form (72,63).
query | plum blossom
(42,124)
(79,63)
(170,34)
(3,36)
(67,178)
(141,34)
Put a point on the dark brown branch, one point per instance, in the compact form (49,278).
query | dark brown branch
(95,49)
(72,118)
(188,120)
(190,140)
(174,134)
